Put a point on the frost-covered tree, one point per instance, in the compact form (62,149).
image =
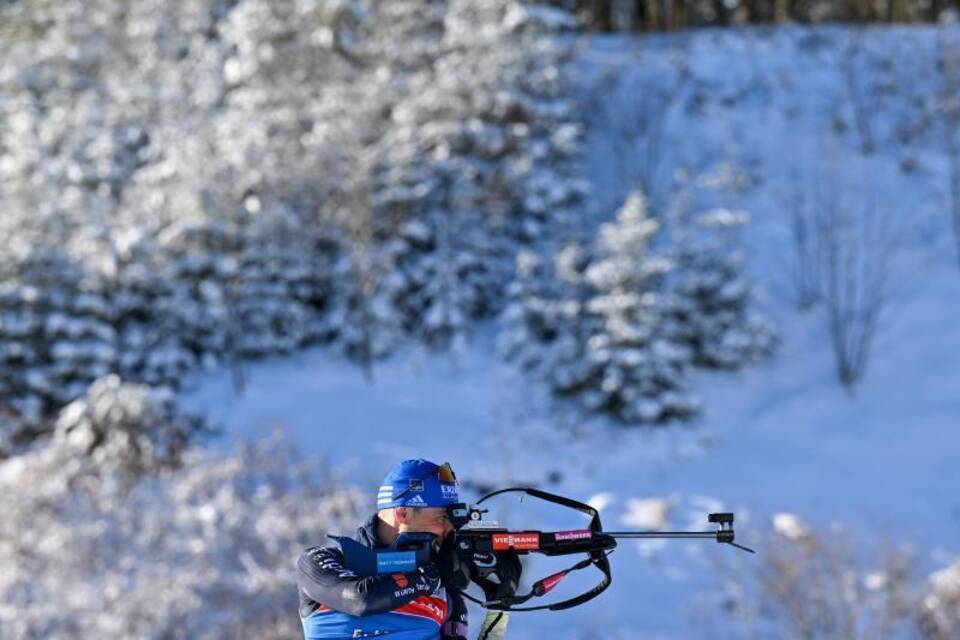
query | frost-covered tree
(200,551)
(617,325)
(540,318)
(939,614)
(189,111)
(257,284)
(125,427)
(56,332)
(242,178)
(303,100)
(201,258)
(640,367)
(598,317)
(710,308)
(445,268)
(810,584)
(151,349)
(284,286)
(477,162)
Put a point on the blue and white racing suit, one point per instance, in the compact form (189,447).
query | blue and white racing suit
(336,604)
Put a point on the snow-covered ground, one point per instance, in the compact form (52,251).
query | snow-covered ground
(781,437)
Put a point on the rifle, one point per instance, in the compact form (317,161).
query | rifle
(483,545)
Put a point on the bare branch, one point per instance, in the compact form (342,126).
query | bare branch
(856,251)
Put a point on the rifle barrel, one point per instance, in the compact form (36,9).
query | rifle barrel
(661,534)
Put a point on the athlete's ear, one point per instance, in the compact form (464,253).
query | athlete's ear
(402,515)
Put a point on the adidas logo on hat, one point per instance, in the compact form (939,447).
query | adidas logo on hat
(416,500)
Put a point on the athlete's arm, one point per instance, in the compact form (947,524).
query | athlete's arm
(322,576)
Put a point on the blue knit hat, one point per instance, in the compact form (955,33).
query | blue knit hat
(418,483)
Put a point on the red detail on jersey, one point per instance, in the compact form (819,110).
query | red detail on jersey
(401,580)
(426,607)
(519,541)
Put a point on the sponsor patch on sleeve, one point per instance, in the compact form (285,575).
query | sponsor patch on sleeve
(399,561)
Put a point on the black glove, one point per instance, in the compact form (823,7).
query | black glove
(508,570)
(454,573)
(429,578)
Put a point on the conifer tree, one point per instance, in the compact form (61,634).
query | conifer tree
(710,304)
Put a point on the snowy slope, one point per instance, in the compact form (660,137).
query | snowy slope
(782,437)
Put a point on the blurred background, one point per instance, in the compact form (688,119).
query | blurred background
(669,257)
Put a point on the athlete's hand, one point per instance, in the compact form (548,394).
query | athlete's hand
(429,580)
(508,569)
(454,573)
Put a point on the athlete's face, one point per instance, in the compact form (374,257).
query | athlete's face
(426,520)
